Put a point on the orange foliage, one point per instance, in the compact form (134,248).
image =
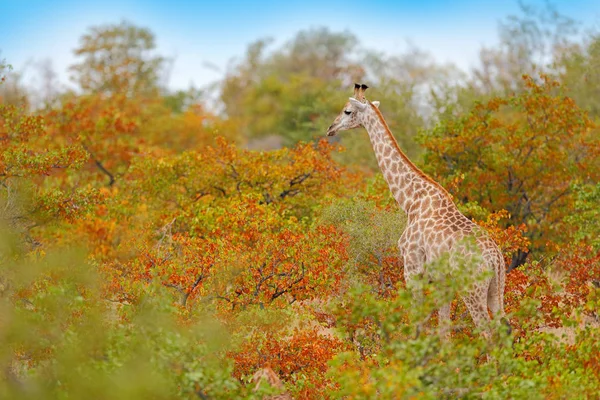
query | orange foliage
(27,149)
(509,238)
(303,352)
(521,153)
(163,200)
(561,287)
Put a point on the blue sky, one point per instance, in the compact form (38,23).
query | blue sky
(200,32)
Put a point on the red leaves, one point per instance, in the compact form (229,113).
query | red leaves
(271,258)
(581,265)
(103,126)
(249,241)
(562,286)
(303,352)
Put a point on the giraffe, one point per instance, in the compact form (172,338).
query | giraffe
(434,226)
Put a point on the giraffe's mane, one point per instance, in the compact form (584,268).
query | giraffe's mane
(404,157)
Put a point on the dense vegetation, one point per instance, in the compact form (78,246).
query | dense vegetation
(152,248)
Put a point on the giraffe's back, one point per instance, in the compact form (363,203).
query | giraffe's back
(476,254)
(446,230)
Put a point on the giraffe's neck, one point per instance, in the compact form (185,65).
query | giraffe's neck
(407,183)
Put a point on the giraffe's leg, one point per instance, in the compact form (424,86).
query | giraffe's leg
(493,299)
(414,260)
(476,303)
(413,257)
(496,304)
(444,322)
(495,295)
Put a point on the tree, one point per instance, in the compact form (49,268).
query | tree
(285,92)
(292,91)
(373,234)
(248,212)
(578,68)
(165,263)
(530,43)
(12,91)
(583,222)
(521,153)
(105,129)
(49,88)
(118,58)
(29,193)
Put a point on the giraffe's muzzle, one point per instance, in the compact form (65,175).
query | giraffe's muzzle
(332,130)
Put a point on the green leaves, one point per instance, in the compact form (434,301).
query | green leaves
(396,355)
(373,235)
(587,198)
(118,59)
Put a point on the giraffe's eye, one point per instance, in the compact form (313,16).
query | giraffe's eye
(347,112)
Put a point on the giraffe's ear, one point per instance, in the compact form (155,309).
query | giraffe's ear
(375,103)
(359,106)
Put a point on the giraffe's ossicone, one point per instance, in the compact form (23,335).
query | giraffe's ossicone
(435,227)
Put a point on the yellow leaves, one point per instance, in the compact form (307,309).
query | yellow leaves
(494,104)
(510,239)
(142,208)
(291,177)
(27,149)
(454,184)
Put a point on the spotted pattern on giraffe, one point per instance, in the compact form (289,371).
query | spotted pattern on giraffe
(435,225)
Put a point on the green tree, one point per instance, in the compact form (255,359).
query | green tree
(286,91)
(118,58)
(294,90)
(585,219)
(12,91)
(578,67)
(373,234)
(530,42)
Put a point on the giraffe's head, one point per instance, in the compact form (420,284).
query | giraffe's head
(353,113)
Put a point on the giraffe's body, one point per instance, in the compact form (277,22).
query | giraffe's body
(435,226)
